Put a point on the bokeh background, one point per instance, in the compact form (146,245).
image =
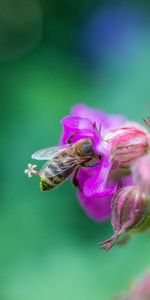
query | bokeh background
(54,54)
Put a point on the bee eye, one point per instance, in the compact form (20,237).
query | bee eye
(87,147)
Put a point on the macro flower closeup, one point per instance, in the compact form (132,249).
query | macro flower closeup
(107,158)
(75,148)
(96,188)
(119,143)
(128,143)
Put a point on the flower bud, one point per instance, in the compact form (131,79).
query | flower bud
(127,143)
(141,174)
(130,214)
(139,290)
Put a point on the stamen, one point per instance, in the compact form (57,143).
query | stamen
(108,244)
(30,170)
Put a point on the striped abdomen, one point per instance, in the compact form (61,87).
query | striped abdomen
(54,174)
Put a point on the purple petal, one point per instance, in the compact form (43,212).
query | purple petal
(100,118)
(84,111)
(97,182)
(77,122)
(98,208)
(79,127)
(95,188)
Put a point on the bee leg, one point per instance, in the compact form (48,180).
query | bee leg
(75,180)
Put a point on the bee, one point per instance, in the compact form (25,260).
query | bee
(63,161)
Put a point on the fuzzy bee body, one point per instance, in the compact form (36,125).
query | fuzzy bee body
(47,183)
(48,179)
(63,161)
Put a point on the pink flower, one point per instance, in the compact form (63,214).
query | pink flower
(130,214)
(141,174)
(140,290)
(127,144)
(95,189)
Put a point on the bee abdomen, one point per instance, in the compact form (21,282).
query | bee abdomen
(53,168)
(49,180)
(44,184)
(47,184)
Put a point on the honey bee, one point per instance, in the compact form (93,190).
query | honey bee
(62,161)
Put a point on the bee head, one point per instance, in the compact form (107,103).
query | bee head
(86,148)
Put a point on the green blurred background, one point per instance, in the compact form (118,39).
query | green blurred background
(54,54)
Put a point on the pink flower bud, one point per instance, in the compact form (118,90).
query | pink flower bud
(140,290)
(130,214)
(127,143)
(141,174)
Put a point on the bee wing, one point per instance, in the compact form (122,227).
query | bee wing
(48,167)
(49,153)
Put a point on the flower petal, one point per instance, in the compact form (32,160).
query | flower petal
(98,208)
(75,125)
(95,185)
(99,117)
(97,182)
(77,122)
